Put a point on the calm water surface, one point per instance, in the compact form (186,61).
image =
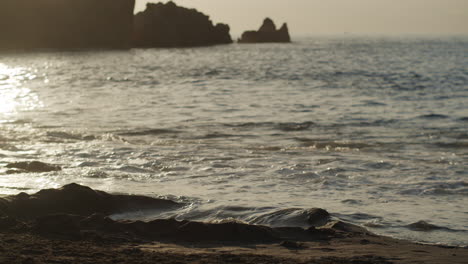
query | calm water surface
(375,130)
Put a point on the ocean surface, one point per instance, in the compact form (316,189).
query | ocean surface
(372,129)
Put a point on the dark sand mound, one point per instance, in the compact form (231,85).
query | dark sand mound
(267,33)
(169,25)
(66,24)
(78,200)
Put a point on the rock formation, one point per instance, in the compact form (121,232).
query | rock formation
(168,25)
(267,33)
(78,200)
(65,24)
(75,211)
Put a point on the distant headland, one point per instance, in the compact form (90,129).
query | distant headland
(66,24)
(111,24)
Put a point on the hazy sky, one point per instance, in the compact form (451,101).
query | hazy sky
(338,16)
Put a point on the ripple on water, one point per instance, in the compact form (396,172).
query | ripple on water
(347,123)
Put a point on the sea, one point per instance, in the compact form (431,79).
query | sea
(374,129)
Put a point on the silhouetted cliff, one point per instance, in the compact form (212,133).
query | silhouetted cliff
(267,33)
(66,24)
(168,25)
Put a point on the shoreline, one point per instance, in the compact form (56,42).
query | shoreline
(71,225)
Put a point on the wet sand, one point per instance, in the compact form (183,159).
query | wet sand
(27,248)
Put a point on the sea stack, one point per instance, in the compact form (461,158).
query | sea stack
(267,33)
(66,24)
(169,25)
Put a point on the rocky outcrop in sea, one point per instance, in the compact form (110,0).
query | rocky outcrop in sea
(66,24)
(77,200)
(267,33)
(169,25)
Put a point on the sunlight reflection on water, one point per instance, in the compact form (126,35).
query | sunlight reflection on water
(13,96)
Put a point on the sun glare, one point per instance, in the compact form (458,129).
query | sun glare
(13,96)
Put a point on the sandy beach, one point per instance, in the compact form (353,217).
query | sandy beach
(51,226)
(27,248)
